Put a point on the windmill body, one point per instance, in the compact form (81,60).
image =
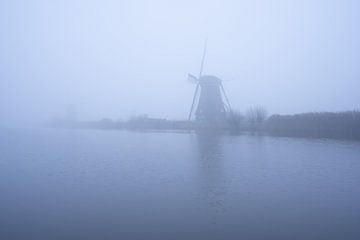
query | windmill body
(210,106)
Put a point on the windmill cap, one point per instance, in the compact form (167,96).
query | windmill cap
(209,79)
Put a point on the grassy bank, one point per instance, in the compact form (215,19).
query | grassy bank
(344,125)
(318,124)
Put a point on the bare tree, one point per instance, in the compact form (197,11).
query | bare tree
(256,115)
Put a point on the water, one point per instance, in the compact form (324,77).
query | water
(89,184)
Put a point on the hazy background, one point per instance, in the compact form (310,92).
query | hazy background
(121,58)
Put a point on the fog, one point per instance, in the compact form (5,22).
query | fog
(117,59)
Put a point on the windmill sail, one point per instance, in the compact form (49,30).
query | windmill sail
(192,78)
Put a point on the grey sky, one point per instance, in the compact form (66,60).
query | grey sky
(120,58)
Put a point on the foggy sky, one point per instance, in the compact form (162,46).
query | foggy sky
(117,59)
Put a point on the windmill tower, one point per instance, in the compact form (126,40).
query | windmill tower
(210,104)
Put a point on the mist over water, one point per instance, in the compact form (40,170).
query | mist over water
(118,59)
(96,141)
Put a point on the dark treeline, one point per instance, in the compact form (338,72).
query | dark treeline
(344,125)
(144,122)
(140,122)
(317,124)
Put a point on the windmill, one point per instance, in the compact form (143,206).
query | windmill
(210,104)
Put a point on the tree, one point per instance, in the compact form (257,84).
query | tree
(256,115)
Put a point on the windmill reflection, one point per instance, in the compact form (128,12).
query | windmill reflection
(210,167)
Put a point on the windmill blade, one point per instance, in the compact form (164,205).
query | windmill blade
(193,102)
(192,78)
(226,98)
(203,59)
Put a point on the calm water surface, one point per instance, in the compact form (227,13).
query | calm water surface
(89,184)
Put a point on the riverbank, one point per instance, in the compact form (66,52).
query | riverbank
(339,125)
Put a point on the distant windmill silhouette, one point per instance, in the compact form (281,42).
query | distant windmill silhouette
(210,106)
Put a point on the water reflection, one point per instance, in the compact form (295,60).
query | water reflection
(211,169)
